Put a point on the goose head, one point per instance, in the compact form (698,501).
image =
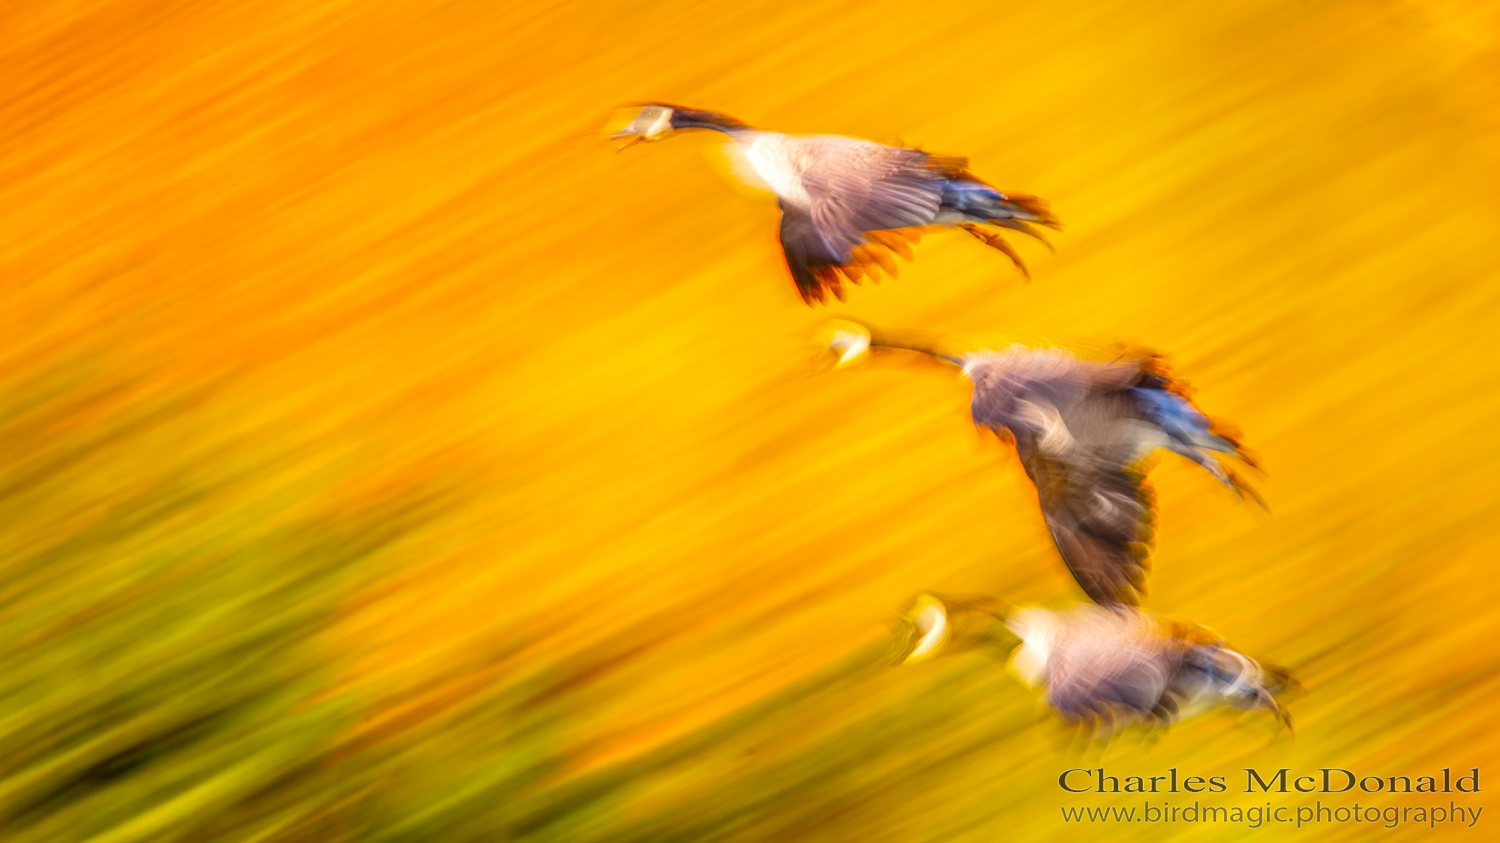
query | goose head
(652,123)
(927,624)
(850,341)
(939,624)
(658,120)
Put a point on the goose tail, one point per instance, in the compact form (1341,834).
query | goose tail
(974,199)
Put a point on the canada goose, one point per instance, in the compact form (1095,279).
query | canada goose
(844,200)
(1103,666)
(1081,430)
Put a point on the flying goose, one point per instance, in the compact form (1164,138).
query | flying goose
(845,201)
(1082,430)
(1103,667)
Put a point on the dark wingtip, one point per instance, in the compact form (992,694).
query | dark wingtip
(1246,491)
(1280,682)
(1036,208)
(995,241)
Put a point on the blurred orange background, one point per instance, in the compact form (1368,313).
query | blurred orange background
(334,255)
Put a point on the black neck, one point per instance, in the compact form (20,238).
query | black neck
(920,349)
(692,118)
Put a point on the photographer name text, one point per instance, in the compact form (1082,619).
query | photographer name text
(1322,780)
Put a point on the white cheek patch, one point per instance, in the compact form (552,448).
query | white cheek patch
(661,125)
(935,620)
(853,345)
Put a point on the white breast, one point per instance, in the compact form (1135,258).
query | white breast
(1037,630)
(779,161)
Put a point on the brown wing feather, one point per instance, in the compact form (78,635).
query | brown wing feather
(807,255)
(1100,518)
(856,187)
(816,271)
(862,195)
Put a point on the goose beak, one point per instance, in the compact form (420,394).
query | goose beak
(654,122)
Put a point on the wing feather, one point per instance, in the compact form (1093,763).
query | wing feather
(1066,418)
(807,254)
(857,187)
(1100,517)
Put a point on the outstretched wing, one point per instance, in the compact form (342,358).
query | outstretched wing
(1081,430)
(857,186)
(859,193)
(808,255)
(1099,512)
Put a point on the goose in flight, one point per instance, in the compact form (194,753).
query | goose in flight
(1102,667)
(1082,430)
(847,203)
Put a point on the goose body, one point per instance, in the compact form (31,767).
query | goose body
(847,203)
(1105,667)
(1082,429)
(779,160)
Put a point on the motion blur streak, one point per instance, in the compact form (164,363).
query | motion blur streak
(383,457)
